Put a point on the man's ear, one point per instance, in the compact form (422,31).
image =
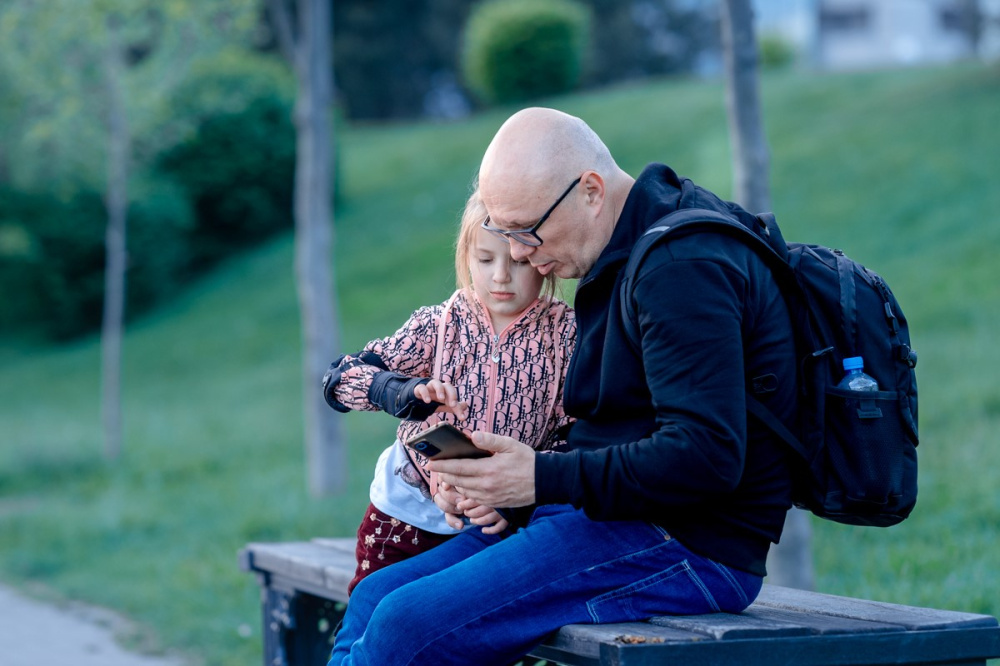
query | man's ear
(594,188)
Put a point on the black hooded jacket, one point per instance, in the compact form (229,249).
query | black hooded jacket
(663,435)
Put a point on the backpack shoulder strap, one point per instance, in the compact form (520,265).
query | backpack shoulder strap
(757,409)
(770,246)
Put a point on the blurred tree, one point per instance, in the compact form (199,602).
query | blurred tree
(116,201)
(398,58)
(751,160)
(10,101)
(643,38)
(60,141)
(303,31)
(789,563)
(968,17)
(81,67)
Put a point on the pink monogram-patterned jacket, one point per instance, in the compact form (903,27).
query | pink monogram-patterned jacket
(511,379)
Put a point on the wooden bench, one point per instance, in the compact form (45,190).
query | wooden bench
(304,593)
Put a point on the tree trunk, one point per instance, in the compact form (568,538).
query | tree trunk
(790,562)
(116,201)
(751,188)
(325,443)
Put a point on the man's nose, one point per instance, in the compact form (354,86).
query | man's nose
(520,251)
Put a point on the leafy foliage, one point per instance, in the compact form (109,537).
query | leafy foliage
(238,171)
(56,136)
(233,155)
(517,50)
(369,38)
(53,261)
(54,147)
(226,182)
(52,257)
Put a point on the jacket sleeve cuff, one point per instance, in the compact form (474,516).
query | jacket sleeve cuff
(554,477)
(330,381)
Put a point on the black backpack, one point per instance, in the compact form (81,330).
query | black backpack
(857,457)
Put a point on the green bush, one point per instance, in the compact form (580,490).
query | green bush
(224,84)
(51,262)
(231,151)
(238,171)
(518,50)
(159,260)
(775,52)
(216,173)
(52,258)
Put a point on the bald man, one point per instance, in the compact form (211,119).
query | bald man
(669,497)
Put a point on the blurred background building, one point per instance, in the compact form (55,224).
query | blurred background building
(858,34)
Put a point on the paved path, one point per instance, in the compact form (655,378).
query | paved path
(34,633)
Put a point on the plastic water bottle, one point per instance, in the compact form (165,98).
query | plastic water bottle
(856,379)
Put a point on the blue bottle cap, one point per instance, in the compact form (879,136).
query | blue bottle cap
(853,363)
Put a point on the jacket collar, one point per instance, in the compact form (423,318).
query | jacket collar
(657,192)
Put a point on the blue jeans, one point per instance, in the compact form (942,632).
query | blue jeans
(485,600)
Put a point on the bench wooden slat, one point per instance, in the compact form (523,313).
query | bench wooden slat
(584,639)
(313,564)
(761,623)
(725,626)
(911,617)
(342,545)
(820,624)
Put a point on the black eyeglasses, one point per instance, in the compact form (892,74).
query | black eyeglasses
(528,237)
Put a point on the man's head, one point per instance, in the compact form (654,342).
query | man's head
(536,156)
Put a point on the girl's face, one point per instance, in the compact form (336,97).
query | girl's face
(504,286)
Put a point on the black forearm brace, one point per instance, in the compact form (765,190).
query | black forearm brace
(393,393)
(389,391)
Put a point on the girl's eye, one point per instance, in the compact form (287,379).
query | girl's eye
(485,260)
(523,262)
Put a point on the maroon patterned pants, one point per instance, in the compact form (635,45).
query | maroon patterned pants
(383,540)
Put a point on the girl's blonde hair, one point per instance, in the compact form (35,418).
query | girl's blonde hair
(472,220)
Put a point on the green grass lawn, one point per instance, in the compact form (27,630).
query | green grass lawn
(894,167)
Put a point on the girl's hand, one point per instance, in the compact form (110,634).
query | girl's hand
(480,514)
(447,499)
(437,391)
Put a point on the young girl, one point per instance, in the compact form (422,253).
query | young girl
(492,357)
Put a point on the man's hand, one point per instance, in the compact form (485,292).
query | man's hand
(505,479)
(438,391)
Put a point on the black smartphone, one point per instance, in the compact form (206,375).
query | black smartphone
(443,441)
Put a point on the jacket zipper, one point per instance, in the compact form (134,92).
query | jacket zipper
(495,357)
(494,374)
